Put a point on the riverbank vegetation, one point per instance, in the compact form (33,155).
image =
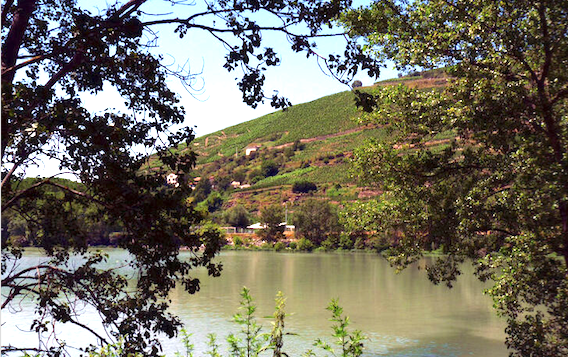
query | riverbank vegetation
(251,340)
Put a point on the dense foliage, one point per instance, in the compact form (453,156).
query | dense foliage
(237,216)
(56,52)
(498,192)
(20,231)
(303,186)
(272,217)
(317,220)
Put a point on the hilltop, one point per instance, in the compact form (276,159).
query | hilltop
(310,142)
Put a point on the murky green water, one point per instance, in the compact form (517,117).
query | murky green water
(402,314)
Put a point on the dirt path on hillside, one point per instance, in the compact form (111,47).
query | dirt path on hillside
(358,129)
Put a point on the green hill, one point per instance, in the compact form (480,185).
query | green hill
(307,142)
(324,116)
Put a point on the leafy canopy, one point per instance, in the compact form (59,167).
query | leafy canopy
(497,192)
(53,52)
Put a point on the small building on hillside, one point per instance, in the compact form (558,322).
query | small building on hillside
(172,180)
(288,227)
(251,148)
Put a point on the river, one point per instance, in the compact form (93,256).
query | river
(401,314)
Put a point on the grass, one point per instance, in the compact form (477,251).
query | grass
(327,115)
(284,179)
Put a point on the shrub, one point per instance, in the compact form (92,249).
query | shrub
(330,243)
(256,179)
(279,246)
(269,168)
(298,146)
(214,202)
(289,152)
(346,241)
(293,245)
(238,241)
(303,186)
(305,245)
(251,340)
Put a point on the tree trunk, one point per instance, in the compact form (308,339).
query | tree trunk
(10,50)
(13,41)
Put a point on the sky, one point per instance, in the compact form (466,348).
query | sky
(218,102)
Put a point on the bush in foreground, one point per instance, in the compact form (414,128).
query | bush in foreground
(251,340)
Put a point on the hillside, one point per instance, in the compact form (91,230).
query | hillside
(328,115)
(307,142)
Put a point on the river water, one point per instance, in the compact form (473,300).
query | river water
(401,314)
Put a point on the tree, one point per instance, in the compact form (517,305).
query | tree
(316,220)
(237,216)
(212,203)
(202,190)
(53,53)
(303,186)
(272,216)
(269,168)
(497,192)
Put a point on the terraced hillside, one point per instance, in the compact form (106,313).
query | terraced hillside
(310,142)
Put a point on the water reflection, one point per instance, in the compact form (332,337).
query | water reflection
(402,314)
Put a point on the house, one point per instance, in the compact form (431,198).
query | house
(287,227)
(193,185)
(256,226)
(251,148)
(172,180)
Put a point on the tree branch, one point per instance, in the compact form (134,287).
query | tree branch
(20,194)
(48,181)
(78,193)
(545,43)
(129,8)
(35,59)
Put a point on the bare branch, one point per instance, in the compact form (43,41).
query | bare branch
(32,60)
(22,193)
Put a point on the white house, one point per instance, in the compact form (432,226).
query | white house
(287,227)
(251,148)
(172,179)
(257,226)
